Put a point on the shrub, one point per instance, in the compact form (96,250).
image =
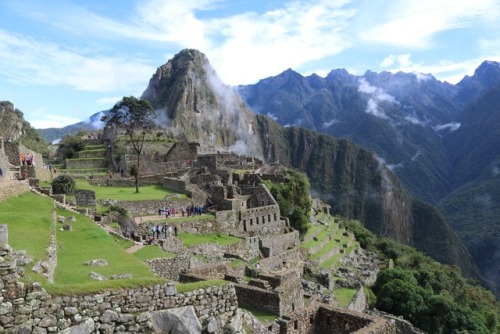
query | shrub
(118,209)
(63,184)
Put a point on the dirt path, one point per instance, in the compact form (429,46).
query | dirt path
(134,248)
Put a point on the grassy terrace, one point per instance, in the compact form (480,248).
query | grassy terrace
(147,192)
(32,229)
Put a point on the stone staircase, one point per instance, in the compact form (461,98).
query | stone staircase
(91,160)
(14,172)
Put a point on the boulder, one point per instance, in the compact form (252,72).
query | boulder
(180,320)
(87,327)
(97,263)
(96,276)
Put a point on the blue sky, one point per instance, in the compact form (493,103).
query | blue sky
(61,61)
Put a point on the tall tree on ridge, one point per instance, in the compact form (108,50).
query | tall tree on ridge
(136,117)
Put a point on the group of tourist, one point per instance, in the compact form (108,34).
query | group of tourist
(163,230)
(167,212)
(28,159)
(190,210)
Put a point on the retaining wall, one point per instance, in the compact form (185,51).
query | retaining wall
(27,308)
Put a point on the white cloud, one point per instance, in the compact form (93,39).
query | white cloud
(330,123)
(413,23)
(30,61)
(446,70)
(273,116)
(453,126)
(394,166)
(414,120)
(402,60)
(416,155)
(289,37)
(42,120)
(108,101)
(377,95)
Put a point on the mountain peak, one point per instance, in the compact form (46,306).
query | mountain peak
(191,99)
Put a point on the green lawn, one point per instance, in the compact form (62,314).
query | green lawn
(149,252)
(344,295)
(148,192)
(199,239)
(87,241)
(261,315)
(29,221)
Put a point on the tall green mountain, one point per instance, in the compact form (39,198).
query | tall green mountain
(473,209)
(358,185)
(441,140)
(191,100)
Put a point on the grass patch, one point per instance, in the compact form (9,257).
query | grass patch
(211,238)
(344,296)
(261,315)
(86,242)
(327,264)
(149,252)
(29,220)
(147,192)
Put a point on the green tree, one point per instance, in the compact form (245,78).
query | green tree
(69,146)
(136,117)
(293,197)
(63,184)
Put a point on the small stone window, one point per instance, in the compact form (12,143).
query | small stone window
(251,221)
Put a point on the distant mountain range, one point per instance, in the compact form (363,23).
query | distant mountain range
(416,125)
(441,140)
(92,123)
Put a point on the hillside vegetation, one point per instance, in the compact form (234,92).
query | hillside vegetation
(433,296)
(358,186)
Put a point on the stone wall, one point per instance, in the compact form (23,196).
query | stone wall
(260,196)
(14,188)
(4,163)
(148,208)
(14,151)
(212,271)
(85,198)
(255,297)
(94,163)
(359,302)
(277,244)
(176,185)
(204,226)
(262,220)
(150,166)
(287,258)
(118,181)
(35,172)
(321,318)
(170,268)
(27,308)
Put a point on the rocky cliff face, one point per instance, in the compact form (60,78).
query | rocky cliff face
(358,185)
(12,125)
(191,99)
